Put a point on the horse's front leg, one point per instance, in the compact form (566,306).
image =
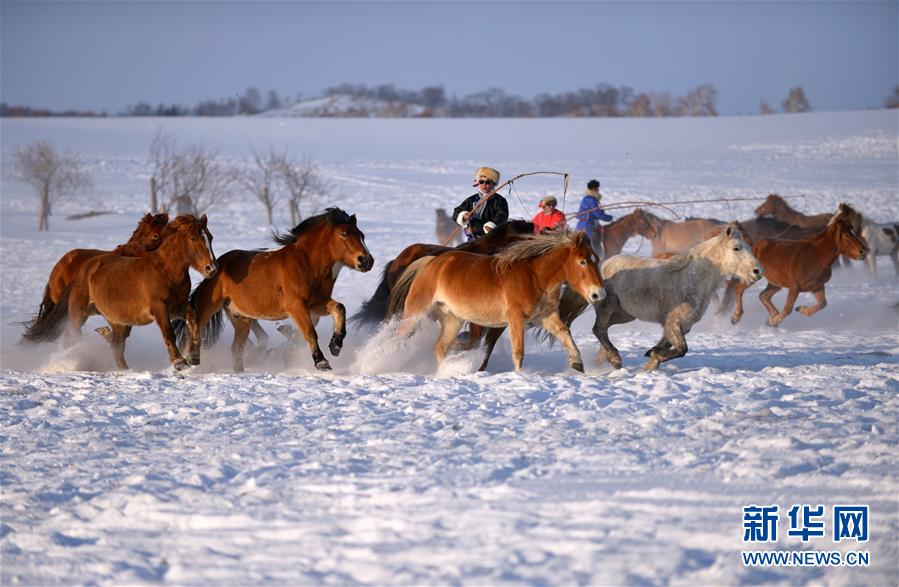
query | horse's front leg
(738,289)
(490,339)
(765,298)
(338,314)
(193,333)
(162,319)
(674,336)
(820,298)
(792,294)
(554,325)
(302,318)
(605,312)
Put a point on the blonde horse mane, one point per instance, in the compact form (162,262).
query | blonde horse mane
(535,245)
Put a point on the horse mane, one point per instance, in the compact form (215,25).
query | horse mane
(149,220)
(534,245)
(181,222)
(844,213)
(332,216)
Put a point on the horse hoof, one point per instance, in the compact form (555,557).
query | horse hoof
(193,360)
(323,365)
(578,367)
(335,347)
(180,365)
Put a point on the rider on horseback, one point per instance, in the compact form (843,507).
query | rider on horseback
(482,212)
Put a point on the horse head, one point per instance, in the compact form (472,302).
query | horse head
(849,241)
(148,234)
(197,240)
(772,205)
(735,257)
(347,243)
(644,223)
(582,268)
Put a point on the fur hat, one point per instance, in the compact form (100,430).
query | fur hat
(593,184)
(487,172)
(548,200)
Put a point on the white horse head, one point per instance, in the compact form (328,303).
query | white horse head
(730,253)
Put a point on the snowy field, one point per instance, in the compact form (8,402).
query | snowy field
(392,471)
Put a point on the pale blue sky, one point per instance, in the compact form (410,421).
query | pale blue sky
(106,56)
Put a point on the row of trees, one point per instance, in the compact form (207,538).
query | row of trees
(190,179)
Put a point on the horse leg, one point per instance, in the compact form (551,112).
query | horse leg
(787,309)
(490,339)
(738,288)
(79,300)
(608,312)
(242,327)
(894,257)
(516,335)
(418,301)
(163,320)
(302,318)
(118,334)
(260,334)
(450,326)
(475,331)
(193,330)
(338,314)
(822,303)
(676,342)
(727,298)
(871,263)
(766,296)
(554,325)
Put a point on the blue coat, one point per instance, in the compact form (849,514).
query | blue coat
(588,221)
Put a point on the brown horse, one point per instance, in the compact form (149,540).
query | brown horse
(777,207)
(677,237)
(134,291)
(145,238)
(615,234)
(803,265)
(296,281)
(519,285)
(374,310)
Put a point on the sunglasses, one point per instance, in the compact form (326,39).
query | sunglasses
(486,182)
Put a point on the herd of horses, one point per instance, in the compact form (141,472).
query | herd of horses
(511,278)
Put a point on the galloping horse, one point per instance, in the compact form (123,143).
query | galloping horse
(616,233)
(374,310)
(882,239)
(296,281)
(674,292)
(677,237)
(134,291)
(803,265)
(145,238)
(519,285)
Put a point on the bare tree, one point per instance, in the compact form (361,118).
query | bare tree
(661,103)
(259,179)
(765,108)
(54,175)
(796,101)
(250,102)
(302,180)
(189,180)
(892,101)
(700,101)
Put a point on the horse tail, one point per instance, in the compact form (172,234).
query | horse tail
(374,309)
(46,326)
(571,305)
(398,294)
(214,325)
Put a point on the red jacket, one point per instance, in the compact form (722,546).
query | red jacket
(544,221)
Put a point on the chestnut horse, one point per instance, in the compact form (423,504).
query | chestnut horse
(144,238)
(677,237)
(518,285)
(803,265)
(134,291)
(777,207)
(615,234)
(296,281)
(374,309)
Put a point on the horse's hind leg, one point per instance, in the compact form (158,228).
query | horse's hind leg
(79,301)
(193,332)
(820,298)
(554,325)
(118,334)
(450,326)
(490,339)
(242,327)
(260,334)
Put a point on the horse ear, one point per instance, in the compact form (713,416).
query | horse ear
(203,220)
(353,219)
(729,232)
(147,217)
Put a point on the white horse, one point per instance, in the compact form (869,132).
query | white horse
(882,239)
(674,292)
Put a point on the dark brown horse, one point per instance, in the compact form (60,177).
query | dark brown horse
(615,234)
(134,291)
(777,207)
(144,238)
(296,281)
(374,309)
(803,266)
(519,285)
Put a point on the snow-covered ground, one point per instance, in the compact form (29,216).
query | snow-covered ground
(391,470)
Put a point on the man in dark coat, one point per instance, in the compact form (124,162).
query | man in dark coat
(477,216)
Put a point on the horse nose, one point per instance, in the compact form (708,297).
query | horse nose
(598,295)
(210,269)
(365,262)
